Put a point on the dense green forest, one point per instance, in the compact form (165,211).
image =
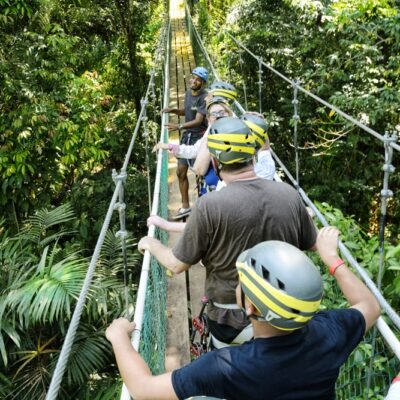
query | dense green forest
(72,76)
(346,52)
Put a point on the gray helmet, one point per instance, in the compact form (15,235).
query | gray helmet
(231,141)
(282,283)
(258,128)
(223,89)
(215,100)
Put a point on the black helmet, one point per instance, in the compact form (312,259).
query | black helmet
(258,128)
(231,141)
(223,89)
(282,283)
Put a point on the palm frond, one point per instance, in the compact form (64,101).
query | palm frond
(35,227)
(5,386)
(89,353)
(48,294)
(8,329)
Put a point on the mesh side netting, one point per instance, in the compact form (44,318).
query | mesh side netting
(154,329)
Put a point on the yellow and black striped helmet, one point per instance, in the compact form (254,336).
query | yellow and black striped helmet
(231,141)
(223,89)
(282,283)
(258,128)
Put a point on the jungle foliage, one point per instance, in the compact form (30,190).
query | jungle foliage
(72,76)
(347,53)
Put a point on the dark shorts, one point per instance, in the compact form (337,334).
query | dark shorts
(188,138)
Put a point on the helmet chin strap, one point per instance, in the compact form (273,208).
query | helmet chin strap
(217,167)
(243,309)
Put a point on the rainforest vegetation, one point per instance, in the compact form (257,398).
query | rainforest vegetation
(72,77)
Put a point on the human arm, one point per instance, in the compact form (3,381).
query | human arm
(187,125)
(176,111)
(166,225)
(203,159)
(265,165)
(354,290)
(134,371)
(163,254)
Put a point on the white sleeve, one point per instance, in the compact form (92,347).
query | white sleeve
(189,151)
(394,391)
(220,185)
(265,166)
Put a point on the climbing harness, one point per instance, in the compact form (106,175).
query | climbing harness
(200,327)
(207,341)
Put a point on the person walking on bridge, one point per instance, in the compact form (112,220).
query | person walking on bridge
(297,350)
(194,127)
(223,223)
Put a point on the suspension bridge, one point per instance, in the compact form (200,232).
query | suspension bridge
(164,306)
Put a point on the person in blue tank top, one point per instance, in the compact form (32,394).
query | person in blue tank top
(296,352)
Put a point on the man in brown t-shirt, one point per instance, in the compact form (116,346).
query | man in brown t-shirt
(247,211)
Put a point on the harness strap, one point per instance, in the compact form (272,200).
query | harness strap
(245,335)
(226,306)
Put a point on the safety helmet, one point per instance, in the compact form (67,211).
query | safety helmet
(258,128)
(210,100)
(223,89)
(231,141)
(201,72)
(282,283)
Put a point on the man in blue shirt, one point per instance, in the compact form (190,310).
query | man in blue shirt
(296,352)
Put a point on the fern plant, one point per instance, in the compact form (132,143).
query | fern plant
(41,278)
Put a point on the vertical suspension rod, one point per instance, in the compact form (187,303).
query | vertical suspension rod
(260,82)
(122,233)
(296,118)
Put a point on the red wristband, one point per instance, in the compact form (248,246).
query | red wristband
(396,379)
(335,266)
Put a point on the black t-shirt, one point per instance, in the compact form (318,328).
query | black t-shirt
(303,365)
(194,105)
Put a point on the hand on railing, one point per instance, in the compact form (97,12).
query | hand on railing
(158,221)
(119,327)
(160,145)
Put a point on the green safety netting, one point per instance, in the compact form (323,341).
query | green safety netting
(154,329)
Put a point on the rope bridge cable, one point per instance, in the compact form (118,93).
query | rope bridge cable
(346,253)
(315,97)
(389,143)
(114,204)
(150,315)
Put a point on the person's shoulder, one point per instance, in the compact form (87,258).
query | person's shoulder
(273,185)
(349,315)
